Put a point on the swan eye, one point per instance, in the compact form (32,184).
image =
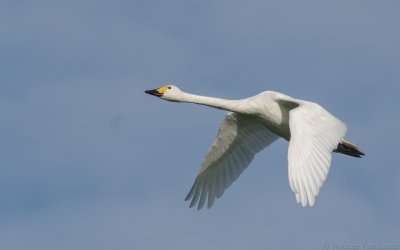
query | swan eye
(169,87)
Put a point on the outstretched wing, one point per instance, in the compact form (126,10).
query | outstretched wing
(315,133)
(239,138)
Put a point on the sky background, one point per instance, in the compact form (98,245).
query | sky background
(88,161)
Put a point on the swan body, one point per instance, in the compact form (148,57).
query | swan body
(251,125)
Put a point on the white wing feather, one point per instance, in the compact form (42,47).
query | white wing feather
(239,138)
(315,133)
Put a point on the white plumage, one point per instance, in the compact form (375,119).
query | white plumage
(252,125)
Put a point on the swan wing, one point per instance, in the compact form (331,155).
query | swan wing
(315,133)
(239,138)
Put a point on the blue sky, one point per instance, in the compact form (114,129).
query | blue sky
(88,161)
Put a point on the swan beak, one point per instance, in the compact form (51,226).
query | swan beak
(154,92)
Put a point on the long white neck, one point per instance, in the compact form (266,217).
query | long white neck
(229,105)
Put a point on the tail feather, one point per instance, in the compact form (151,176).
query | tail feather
(348,148)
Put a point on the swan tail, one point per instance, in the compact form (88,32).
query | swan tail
(348,148)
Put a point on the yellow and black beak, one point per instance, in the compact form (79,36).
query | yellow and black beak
(154,92)
(157,92)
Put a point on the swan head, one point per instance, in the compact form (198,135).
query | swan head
(167,92)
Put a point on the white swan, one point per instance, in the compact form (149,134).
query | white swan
(254,123)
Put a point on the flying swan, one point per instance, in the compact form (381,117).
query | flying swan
(254,123)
